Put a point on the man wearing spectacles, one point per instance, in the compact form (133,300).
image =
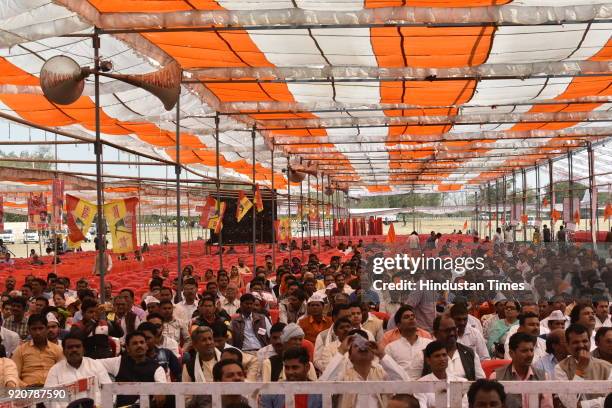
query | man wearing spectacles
(462,361)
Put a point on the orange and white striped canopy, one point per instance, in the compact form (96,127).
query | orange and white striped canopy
(384,96)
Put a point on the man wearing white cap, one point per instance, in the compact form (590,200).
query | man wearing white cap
(272,369)
(152,304)
(556,320)
(53,329)
(314,322)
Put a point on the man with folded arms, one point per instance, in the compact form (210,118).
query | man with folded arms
(581,366)
(77,367)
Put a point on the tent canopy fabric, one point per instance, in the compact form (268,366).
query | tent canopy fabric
(381,96)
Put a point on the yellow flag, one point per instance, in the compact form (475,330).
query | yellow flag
(243,206)
(121,219)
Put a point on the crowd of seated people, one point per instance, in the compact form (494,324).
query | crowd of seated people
(310,321)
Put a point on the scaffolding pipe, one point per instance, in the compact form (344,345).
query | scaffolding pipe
(254,208)
(218,182)
(177,172)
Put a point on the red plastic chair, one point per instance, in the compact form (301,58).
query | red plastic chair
(273,315)
(488,366)
(307,344)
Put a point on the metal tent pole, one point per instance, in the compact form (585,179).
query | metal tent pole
(504,199)
(570,167)
(551,191)
(309,211)
(513,203)
(538,210)
(218,184)
(177,171)
(290,236)
(254,207)
(524,176)
(318,208)
(489,209)
(592,192)
(301,215)
(496,204)
(98,151)
(274,212)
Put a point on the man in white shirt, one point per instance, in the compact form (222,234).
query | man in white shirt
(184,309)
(174,328)
(529,323)
(162,341)
(74,368)
(229,302)
(355,362)
(601,305)
(242,268)
(462,362)
(437,359)
(467,335)
(10,340)
(407,351)
(135,366)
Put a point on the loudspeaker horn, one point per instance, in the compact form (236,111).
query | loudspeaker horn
(62,81)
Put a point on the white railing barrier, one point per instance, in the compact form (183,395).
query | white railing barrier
(253,390)
(456,390)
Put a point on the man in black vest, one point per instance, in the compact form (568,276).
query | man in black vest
(135,366)
(462,361)
(521,351)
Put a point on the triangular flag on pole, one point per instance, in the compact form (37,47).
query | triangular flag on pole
(608,212)
(465,225)
(577,216)
(258,201)
(391,234)
(545,202)
(243,206)
(524,219)
(555,215)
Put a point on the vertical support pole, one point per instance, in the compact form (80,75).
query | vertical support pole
(332,233)
(140,226)
(274,211)
(475,219)
(218,184)
(570,166)
(301,215)
(524,176)
(348,213)
(551,191)
(537,174)
(289,205)
(513,204)
(177,172)
(592,196)
(496,204)
(504,199)
(489,209)
(309,211)
(254,209)
(100,224)
(55,227)
(318,216)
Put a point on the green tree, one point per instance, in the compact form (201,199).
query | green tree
(41,153)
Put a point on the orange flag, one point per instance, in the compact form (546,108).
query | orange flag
(391,234)
(577,216)
(545,202)
(258,201)
(555,215)
(524,219)
(608,212)
(465,225)
(242,206)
